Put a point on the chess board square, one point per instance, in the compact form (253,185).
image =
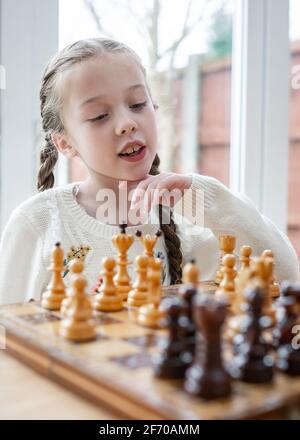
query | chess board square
(104,319)
(145,341)
(133,361)
(99,337)
(39,318)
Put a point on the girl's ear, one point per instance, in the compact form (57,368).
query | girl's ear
(61,143)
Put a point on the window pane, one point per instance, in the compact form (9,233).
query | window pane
(294,128)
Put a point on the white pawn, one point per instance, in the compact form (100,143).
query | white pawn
(107,300)
(76,268)
(149,314)
(273,286)
(139,296)
(226,291)
(78,323)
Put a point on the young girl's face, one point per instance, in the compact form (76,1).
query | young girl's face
(106,106)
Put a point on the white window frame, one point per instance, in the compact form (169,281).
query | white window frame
(259,111)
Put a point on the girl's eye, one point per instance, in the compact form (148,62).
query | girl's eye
(98,118)
(139,105)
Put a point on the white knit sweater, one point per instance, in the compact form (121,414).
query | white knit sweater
(54,215)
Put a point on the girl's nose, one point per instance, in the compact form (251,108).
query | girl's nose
(126,127)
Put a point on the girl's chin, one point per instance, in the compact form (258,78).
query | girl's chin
(136,176)
(138,172)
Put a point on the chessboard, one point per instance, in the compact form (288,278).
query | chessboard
(115,370)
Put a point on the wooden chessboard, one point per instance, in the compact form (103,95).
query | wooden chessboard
(115,369)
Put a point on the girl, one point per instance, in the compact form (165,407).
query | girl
(96,105)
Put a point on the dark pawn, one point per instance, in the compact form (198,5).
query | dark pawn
(291,289)
(285,341)
(252,362)
(187,293)
(207,376)
(173,361)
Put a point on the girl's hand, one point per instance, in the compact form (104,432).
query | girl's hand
(164,188)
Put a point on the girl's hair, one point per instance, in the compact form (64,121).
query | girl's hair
(51,107)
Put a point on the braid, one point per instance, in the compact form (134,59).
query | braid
(48,159)
(171,238)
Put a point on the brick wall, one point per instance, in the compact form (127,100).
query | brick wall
(294,159)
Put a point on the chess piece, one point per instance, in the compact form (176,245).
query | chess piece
(273,286)
(149,314)
(226,290)
(242,282)
(107,300)
(262,273)
(55,293)
(188,292)
(149,243)
(242,279)
(207,377)
(138,296)
(252,362)
(173,360)
(285,336)
(123,242)
(227,246)
(245,254)
(292,289)
(190,273)
(78,323)
(76,267)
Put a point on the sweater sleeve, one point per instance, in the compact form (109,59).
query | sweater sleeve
(21,270)
(226,212)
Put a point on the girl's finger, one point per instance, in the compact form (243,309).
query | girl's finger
(159,191)
(141,189)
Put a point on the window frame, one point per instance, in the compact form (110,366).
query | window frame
(259,111)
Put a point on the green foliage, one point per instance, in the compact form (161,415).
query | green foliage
(220,35)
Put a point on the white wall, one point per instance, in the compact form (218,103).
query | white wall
(28,37)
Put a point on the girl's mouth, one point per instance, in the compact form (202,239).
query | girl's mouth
(134,156)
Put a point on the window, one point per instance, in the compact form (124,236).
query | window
(294,127)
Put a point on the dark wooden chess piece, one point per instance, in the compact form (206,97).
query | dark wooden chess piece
(291,289)
(252,362)
(174,359)
(187,293)
(207,376)
(286,337)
